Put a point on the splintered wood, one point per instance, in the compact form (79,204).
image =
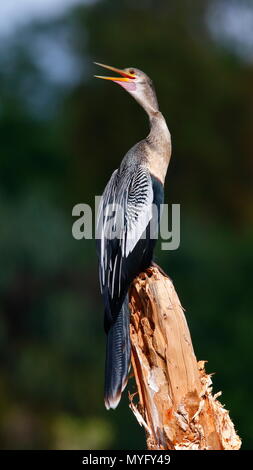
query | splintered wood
(175,404)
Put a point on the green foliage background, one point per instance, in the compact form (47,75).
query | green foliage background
(58,146)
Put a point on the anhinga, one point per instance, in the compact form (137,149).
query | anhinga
(134,190)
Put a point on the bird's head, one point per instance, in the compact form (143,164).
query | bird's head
(137,83)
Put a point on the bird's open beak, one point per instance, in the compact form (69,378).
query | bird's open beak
(125,77)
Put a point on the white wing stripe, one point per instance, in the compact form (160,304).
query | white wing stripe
(130,191)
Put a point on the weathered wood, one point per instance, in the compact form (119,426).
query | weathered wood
(175,401)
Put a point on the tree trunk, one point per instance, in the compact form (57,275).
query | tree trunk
(175,401)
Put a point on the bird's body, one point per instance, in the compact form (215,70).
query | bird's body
(127,227)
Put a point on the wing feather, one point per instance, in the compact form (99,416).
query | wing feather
(124,213)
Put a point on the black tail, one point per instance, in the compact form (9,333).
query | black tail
(117,357)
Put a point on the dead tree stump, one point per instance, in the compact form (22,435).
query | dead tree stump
(175,401)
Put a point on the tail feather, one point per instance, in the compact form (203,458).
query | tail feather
(118,351)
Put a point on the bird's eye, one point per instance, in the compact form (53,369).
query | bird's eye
(132,71)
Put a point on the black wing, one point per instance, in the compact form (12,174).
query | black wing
(124,213)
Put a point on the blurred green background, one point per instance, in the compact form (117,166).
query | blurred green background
(62,133)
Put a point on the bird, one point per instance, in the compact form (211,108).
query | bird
(127,225)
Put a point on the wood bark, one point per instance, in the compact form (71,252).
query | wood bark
(174,397)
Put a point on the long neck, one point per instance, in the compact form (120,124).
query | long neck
(159,145)
(159,132)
